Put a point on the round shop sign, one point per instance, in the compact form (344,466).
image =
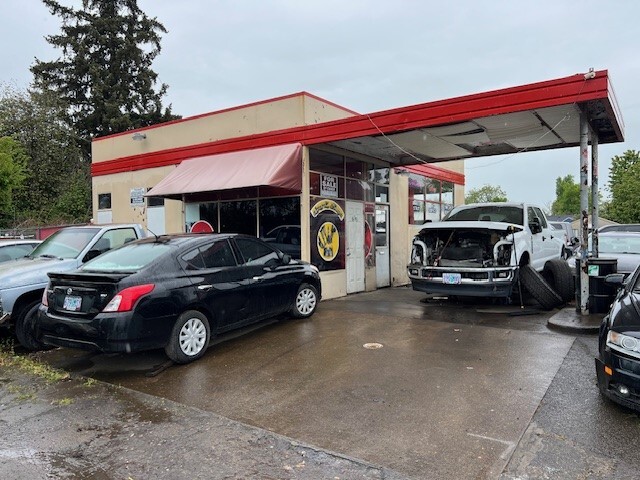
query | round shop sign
(201,226)
(328,241)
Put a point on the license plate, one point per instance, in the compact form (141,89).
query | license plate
(451,278)
(72,303)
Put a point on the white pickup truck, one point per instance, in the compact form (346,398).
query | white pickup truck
(484,249)
(23,281)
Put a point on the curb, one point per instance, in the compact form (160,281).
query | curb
(569,320)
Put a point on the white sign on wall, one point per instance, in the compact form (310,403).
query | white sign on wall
(328,186)
(137,196)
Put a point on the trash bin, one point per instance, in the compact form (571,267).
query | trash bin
(601,295)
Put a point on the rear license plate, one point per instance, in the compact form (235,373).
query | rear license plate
(72,303)
(451,278)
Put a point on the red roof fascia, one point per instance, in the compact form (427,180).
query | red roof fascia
(439,173)
(561,91)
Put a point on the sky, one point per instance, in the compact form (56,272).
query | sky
(373,55)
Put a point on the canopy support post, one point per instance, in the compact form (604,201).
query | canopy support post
(584,207)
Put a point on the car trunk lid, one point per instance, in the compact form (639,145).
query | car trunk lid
(82,295)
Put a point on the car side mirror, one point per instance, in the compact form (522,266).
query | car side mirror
(91,254)
(286,259)
(615,279)
(535,225)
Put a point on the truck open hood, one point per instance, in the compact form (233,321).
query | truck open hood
(472,225)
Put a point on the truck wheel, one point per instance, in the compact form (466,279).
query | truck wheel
(534,283)
(558,273)
(26,328)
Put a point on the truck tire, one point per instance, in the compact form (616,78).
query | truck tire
(534,283)
(558,274)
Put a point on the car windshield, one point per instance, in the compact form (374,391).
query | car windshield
(487,213)
(67,243)
(129,258)
(618,244)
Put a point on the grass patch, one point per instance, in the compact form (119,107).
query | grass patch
(64,401)
(22,393)
(8,358)
(90,382)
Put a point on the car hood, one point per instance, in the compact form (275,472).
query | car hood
(472,225)
(30,271)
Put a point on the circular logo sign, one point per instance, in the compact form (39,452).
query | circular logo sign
(328,241)
(201,226)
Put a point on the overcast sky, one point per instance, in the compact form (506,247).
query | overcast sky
(376,55)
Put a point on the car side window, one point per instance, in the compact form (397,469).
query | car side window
(192,260)
(254,252)
(218,254)
(541,216)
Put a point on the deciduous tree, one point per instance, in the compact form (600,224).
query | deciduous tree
(486,193)
(13,166)
(624,185)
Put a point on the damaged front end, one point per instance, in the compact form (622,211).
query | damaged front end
(465,259)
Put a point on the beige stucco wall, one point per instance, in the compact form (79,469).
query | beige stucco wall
(270,116)
(120,185)
(399,241)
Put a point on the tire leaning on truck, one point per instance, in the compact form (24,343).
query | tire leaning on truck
(534,283)
(558,274)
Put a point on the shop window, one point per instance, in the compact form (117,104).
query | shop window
(382,194)
(326,162)
(104,201)
(447,193)
(280,224)
(239,217)
(355,169)
(209,213)
(379,175)
(429,199)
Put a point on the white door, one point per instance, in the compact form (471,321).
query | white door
(383,275)
(155,220)
(355,246)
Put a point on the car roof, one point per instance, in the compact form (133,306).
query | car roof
(18,241)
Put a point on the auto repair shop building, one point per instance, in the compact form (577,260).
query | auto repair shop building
(342,190)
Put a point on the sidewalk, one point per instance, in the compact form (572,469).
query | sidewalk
(572,321)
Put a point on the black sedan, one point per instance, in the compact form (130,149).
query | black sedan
(174,292)
(618,364)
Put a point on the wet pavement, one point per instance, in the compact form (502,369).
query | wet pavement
(448,393)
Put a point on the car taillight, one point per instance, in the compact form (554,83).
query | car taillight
(127,298)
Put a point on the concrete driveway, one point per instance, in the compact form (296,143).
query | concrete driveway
(447,393)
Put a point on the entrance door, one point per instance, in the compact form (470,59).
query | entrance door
(383,275)
(355,246)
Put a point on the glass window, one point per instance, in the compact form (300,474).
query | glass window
(379,175)
(254,252)
(104,201)
(325,162)
(218,254)
(355,169)
(130,258)
(239,217)
(447,192)
(66,243)
(192,260)
(115,238)
(209,213)
(382,194)
(540,215)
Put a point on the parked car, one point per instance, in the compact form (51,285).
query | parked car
(13,248)
(618,363)
(22,281)
(622,227)
(174,292)
(624,246)
(483,249)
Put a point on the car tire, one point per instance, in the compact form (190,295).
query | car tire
(26,328)
(305,302)
(558,274)
(534,283)
(189,338)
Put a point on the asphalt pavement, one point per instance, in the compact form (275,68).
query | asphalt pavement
(384,384)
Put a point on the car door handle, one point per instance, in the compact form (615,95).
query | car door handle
(544,238)
(205,288)
(258,279)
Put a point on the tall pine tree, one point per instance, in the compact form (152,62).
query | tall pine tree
(104,74)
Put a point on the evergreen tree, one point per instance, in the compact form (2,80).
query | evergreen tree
(104,74)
